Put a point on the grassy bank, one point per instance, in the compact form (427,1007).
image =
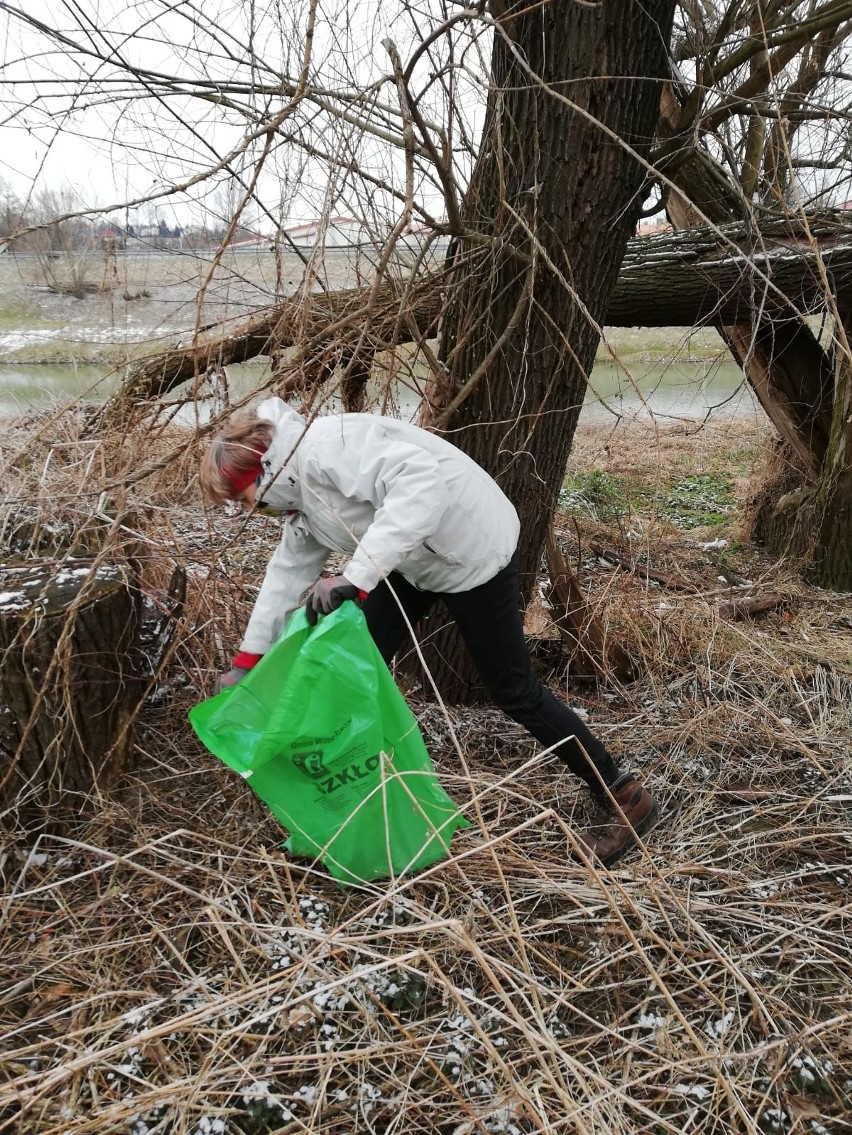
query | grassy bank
(55,343)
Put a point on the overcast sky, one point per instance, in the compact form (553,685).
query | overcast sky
(103,100)
(100,98)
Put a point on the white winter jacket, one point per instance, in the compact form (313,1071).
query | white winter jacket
(390,495)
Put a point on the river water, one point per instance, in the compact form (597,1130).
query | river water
(683,389)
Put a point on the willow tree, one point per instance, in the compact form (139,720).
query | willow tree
(539,210)
(555,195)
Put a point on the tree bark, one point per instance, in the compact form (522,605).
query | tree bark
(697,276)
(831,565)
(831,557)
(70,682)
(557,192)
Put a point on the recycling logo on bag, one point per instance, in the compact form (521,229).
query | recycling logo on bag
(311,764)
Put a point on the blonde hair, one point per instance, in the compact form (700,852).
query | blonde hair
(237,448)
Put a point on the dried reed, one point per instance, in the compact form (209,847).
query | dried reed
(166,969)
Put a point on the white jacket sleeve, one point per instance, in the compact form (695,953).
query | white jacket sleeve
(408,489)
(295,565)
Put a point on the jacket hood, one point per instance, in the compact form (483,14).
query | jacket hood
(281,486)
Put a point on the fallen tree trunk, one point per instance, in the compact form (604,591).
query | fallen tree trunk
(338,316)
(687,278)
(695,276)
(70,683)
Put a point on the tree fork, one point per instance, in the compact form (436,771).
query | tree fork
(525,307)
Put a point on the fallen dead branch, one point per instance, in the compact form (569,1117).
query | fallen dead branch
(303,322)
(643,570)
(747,606)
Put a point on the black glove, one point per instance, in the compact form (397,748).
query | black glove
(327,595)
(232,678)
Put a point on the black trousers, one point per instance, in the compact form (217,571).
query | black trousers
(490,624)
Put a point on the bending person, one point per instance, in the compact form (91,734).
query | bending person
(420,522)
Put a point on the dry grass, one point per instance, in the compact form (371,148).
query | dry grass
(166,969)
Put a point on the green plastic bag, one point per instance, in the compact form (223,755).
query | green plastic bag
(325,738)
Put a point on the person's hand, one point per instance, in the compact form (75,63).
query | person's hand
(327,595)
(225,681)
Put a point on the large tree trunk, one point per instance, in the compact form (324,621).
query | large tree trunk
(831,554)
(557,193)
(70,684)
(800,385)
(832,562)
(810,518)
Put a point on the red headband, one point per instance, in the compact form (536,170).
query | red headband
(240,479)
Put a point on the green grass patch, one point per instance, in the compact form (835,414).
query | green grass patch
(644,344)
(597,493)
(697,500)
(17,309)
(74,352)
(700,500)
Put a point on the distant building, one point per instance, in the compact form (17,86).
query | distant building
(110,238)
(653,226)
(352,234)
(336,232)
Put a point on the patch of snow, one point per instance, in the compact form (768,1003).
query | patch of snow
(12,598)
(697,1091)
(329,1000)
(765,890)
(716,1030)
(809,1070)
(261,1092)
(558,1029)
(206,1126)
(139,1016)
(776,1119)
(314,911)
(651,1021)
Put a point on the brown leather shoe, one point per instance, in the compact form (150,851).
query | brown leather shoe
(609,837)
